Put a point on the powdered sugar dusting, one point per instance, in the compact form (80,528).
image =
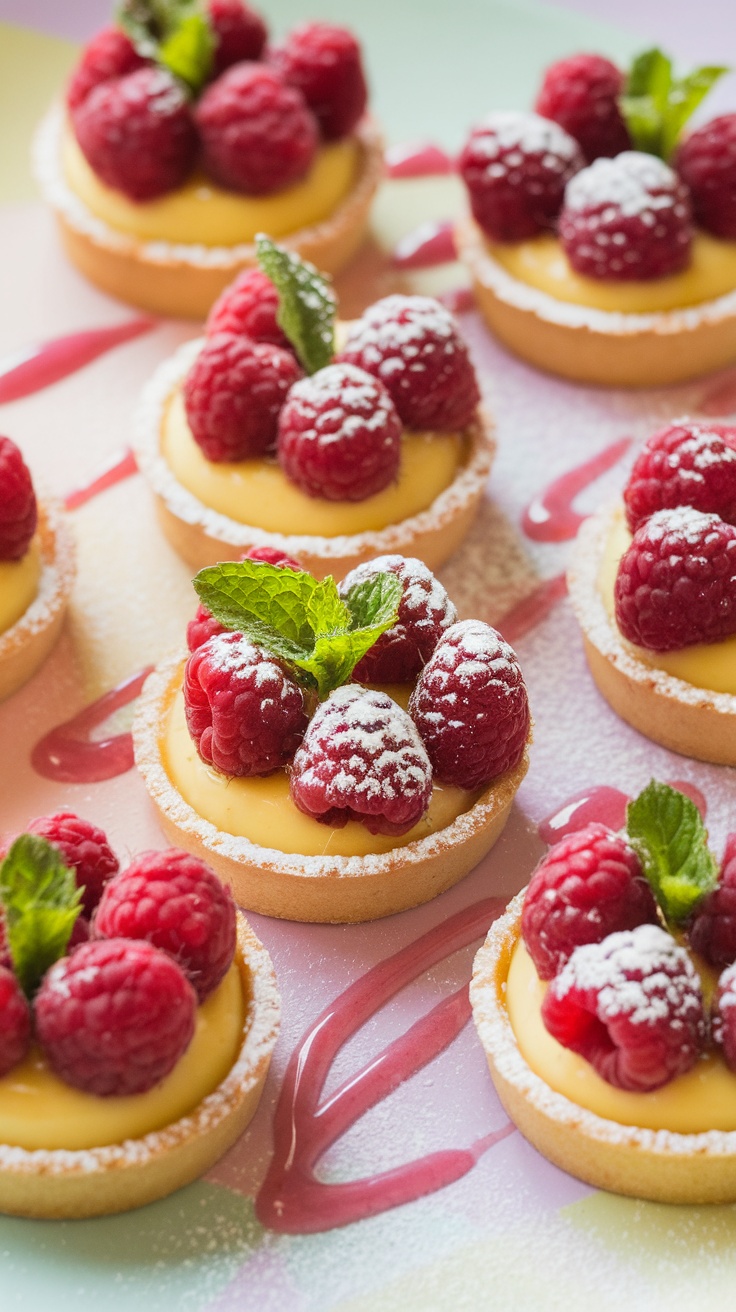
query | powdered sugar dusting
(633,182)
(533,135)
(688,524)
(639,973)
(482,649)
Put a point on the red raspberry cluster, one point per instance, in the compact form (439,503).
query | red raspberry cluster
(256,126)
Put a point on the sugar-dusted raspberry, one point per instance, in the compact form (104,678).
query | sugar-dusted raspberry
(324,63)
(244,712)
(248,306)
(18,509)
(425,613)
(240,33)
(631,1006)
(362,759)
(712,931)
(706,162)
(84,848)
(723,1016)
(109,54)
(676,583)
(204,625)
(589,885)
(581,94)
(257,134)
(137,133)
(174,901)
(413,345)
(115,1017)
(339,435)
(15,1022)
(626,218)
(515,167)
(233,394)
(470,706)
(687,464)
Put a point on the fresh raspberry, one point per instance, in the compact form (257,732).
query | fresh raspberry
(340,435)
(712,930)
(272,556)
(631,1006)
(676,583)
(515,167)
(244,712)
(137,134)
(412,344)
(109,54)
(362,759)
(581,94)
(706,162)
(84,848)
(240,33)
(18,509)
(80,934)
(687,464)
(626,218)
(587,886)
(15,1022)
(723,1019)
(233,394)
(324,63)
(204,625)
(470,706)
(115,1017)
(257,134)
(425,612)
(248,307)
(174,901)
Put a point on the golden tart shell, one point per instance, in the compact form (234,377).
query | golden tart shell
(26,644)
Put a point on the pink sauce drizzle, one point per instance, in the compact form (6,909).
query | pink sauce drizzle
(30,370)
(291,1199)
(721,399)
(530,612)
(418,160)
(458,300)
(604,806)
(118,468)
(430,244)
(550,517)
(67,755)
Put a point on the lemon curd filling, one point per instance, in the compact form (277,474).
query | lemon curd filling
(702,1099)
(256,492)
(202,213)
(710,665)
(542,263)
(19,581)
(37,1110)
(261,809)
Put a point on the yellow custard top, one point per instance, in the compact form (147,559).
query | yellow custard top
(702,1099)
(541,262)
(37,1110)
(261,810)
(19,580)
(201,213)
(257,492)
(710,665)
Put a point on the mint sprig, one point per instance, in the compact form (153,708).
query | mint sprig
(41,903)
(666,829)
(174,33)
(307,304)
(656,105)
(300,620)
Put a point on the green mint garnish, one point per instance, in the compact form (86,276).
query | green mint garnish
(656,105)
(666,829)
(175,33)
(306,303)
(41,903)
(301,621)
(188,51)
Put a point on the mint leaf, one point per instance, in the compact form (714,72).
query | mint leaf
(307,303)
(374,601)
(335,656)
(666,829)
(246,592)
(188,51)
(656,106)
(41,901)
(685,97)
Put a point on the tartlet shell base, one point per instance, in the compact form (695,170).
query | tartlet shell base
(26,644)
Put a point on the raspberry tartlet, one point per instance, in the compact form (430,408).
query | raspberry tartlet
(334,755)
(134,1038)
(601,250)
(607,1017)
(330,442)
(36,572)
(653,587)
(175,147)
